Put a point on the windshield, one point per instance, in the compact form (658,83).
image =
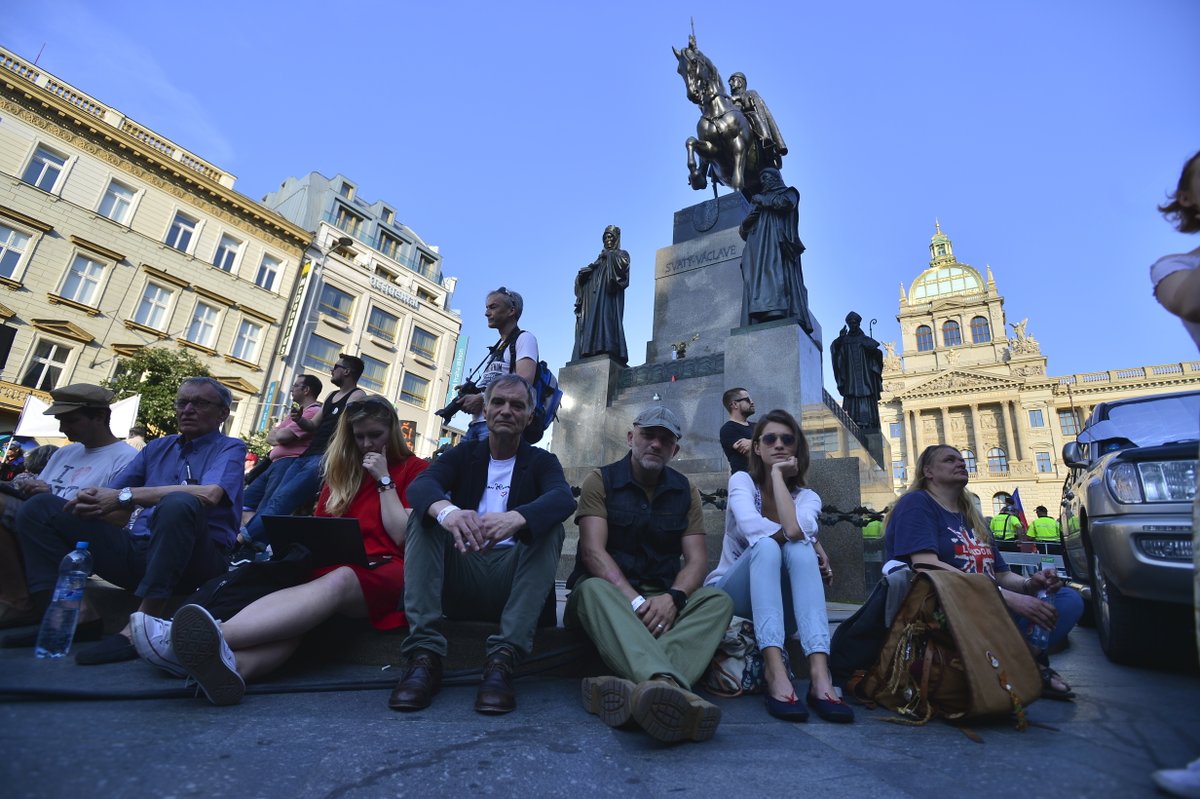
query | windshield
(1150,422)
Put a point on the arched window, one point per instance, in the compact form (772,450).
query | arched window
(969,457)
(924,338)
(999,500)
(981,331)
(951,334)
(997,460)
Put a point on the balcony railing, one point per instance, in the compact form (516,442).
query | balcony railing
(361,233)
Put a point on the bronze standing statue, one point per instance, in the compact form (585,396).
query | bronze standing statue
(772,280)
(858,370)
(600,302)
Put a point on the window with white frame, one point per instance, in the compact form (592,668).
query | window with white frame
(382,324)
(47,365)
(268,271)
(374,376)
(154,308)
(13,246)
(321,354)
(82,284)
(414,390)
(227,252)
(335,303)
(423,343)
(895,429)
(1044,464)
(44,169)
(117,202)
(183,229)
(1036,418)
(246,342)
(203,328)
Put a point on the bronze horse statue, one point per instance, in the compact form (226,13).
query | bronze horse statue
(724,147)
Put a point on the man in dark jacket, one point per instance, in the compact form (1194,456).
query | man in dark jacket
(484,538)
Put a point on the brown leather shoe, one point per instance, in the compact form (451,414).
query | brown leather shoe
(422,679)
(496,694)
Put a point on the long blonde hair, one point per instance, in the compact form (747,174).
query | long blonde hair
(964,501)
(341,464)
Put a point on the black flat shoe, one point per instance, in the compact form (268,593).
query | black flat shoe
(834,710)
(792,710)
(87,631)
(113,649)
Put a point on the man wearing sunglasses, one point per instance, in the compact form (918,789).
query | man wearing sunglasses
(737,432)
(163,526)
(651,620)
(515,353)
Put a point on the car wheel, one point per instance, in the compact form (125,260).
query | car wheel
(1119,621)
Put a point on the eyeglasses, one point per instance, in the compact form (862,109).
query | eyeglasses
(744,399)
(337,366)
(503,291)
(199,404)
(358,405)
(770,438)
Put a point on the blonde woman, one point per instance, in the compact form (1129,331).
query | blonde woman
(368,469)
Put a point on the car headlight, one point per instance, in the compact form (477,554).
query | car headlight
(1165,481)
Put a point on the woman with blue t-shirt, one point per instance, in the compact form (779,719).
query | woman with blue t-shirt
(937,521)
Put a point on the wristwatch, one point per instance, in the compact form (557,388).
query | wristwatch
(125,497)
(678,597)
(385,483)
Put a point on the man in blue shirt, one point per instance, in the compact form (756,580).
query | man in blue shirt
(162,526)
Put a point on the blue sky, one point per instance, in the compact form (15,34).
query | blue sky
(1041,135)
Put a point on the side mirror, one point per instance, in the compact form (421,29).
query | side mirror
(1073,455)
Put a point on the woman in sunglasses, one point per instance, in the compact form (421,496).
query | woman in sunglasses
(773,566)
(367,469)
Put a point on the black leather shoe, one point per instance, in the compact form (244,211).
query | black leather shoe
(422,679)
(830,708)
(496,694)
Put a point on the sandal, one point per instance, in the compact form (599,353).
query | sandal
(1049,675)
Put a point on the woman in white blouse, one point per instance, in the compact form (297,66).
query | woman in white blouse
(773,566)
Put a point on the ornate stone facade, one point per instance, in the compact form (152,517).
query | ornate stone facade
(960,378)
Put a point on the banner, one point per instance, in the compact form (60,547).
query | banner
(35,424)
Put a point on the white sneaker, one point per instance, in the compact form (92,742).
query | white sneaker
(1181,782)
(201,649)
(152,639)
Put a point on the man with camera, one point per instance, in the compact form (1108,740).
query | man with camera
(515,353)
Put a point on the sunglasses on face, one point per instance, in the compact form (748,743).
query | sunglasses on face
(198,404)
(358,405)
(770,438)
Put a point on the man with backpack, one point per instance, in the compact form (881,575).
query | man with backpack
(515,353)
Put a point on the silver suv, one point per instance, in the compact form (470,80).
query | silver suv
(1127,523)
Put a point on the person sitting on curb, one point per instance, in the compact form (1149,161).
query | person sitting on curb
(483,543)
(184,492)
(652,622)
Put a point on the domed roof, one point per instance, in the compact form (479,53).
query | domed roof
(945,279)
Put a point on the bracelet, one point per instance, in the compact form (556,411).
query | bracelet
(637,602)
(446,511)
(1025,586)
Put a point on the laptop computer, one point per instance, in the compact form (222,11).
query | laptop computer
(332,540)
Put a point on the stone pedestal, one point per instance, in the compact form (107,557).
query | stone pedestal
(778,362)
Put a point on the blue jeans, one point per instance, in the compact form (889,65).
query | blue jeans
(299,485)
(476,431)
(1069,605)
(266,483)
(780,589)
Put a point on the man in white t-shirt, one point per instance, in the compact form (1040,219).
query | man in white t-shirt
(515,353)
(484,537)
(97,455)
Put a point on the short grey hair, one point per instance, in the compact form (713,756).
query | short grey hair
(216,385)
(511,379)
(513,298)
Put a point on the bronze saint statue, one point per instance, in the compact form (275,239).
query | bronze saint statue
(600,302)
(858,370)
(772,280)
(760,119)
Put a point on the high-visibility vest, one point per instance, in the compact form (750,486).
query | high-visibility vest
(1005,526)
(1043,528)
(874,529)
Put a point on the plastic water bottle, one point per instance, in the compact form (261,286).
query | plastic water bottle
(58,625)
(1038,636)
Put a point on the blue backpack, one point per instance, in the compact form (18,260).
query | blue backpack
(546,394)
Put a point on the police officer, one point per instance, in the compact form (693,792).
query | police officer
(1043,529)
(1006,525)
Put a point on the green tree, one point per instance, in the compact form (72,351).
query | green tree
(155,373)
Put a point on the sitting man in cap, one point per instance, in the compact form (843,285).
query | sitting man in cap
(483,542)
(184,493)
(96,456)
(652,622)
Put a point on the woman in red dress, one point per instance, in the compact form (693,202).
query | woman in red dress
(367,469)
